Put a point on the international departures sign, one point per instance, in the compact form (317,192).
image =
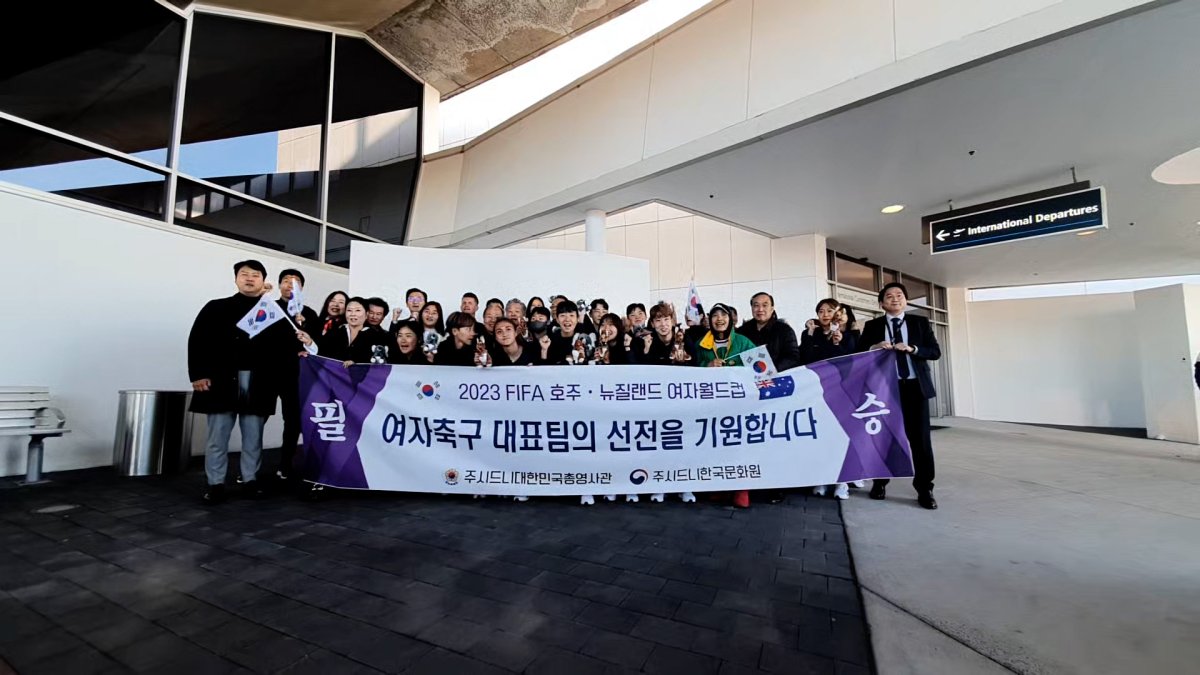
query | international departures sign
(1082,210)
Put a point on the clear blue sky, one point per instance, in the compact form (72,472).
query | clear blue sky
(246,155)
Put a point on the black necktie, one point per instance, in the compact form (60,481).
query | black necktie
(902,363)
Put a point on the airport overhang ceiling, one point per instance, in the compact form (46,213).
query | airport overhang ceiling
(451,44)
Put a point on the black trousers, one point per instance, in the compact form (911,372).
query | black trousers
(915,408)
(289,403)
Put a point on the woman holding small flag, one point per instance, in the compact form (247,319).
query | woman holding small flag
(355,342)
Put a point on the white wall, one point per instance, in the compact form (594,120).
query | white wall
(1168,327)
(445,274)
(728,264)
(97,302)
(1069,360)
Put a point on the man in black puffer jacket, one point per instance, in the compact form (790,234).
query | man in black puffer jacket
(765,329)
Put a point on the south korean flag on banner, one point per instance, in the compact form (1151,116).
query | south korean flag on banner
(261,316)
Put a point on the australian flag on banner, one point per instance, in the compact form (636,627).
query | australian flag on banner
(776,387)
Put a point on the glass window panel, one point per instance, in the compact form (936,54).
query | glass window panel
(337,247)
(255,104)
(43,162)
(197,207)
(373,147)
(855,274)
(939,297)
(103,71)
(918,290)
(890,276)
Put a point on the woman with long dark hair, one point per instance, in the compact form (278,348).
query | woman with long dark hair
(333,313)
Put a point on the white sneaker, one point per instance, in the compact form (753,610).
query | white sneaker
(520,498)
(842,491)
(610,498)
(859,484)
(631,499)
(687,497)
(587,500)
(657,497)
(478,496)
(819,491)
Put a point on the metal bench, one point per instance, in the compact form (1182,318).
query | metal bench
(26,411)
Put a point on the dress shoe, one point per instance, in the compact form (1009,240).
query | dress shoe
(878,491)
(215,494)
(926,500)
(252,489)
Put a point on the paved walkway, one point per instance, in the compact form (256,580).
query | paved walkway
(1053,552)
(138,577)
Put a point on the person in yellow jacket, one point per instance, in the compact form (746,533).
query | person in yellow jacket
(721,344)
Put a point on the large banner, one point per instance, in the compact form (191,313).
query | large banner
(572,430)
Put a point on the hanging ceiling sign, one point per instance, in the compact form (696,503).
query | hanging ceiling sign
(1017,218)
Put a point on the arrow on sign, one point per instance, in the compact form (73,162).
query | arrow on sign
(941,235)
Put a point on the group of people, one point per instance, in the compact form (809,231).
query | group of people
(236,378)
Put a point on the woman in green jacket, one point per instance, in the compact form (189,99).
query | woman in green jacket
(721,342)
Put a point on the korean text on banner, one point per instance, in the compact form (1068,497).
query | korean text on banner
(565,430)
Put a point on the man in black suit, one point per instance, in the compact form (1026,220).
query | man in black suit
(911,338)
(289,388)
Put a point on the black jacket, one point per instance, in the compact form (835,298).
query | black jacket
(778,338)
(449,355)
(660,352)
(920,335)
(336,344)
(617,354)
(218,349)
(817,347)
(529,355)
(416,357)
(309,324)
(560,348)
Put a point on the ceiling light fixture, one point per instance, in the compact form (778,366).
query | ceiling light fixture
(1084,234)
(894,208)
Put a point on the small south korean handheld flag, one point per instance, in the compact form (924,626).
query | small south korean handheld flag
(693,303)
(296,304)
(261,316)
(759,360)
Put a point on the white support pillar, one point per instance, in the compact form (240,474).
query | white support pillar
(593,228)
(800,277)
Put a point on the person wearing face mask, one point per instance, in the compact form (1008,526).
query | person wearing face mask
(459,348)
(537,328)
(829,335)
(405,349)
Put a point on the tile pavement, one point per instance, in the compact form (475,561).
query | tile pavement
(139,578)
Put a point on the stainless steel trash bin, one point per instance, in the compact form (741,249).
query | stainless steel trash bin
(154,432)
